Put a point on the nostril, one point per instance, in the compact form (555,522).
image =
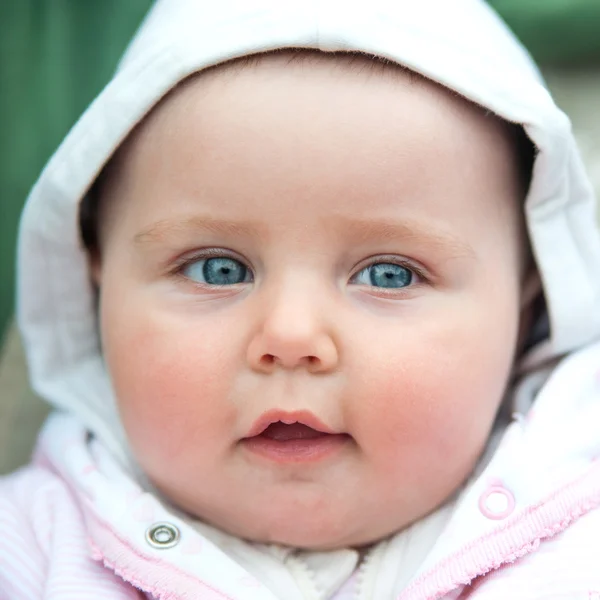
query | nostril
(271,359)
(268,359)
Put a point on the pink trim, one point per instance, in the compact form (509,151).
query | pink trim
(516,537)
(148,573)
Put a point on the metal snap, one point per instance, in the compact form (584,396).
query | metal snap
(162,535)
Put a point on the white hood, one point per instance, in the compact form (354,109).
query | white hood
(460,44)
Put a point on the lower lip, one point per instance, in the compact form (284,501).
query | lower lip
(296,451)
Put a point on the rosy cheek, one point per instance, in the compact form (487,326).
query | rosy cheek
(425,405)
(171,387)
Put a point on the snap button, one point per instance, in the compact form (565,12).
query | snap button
(162,535)
(496,502)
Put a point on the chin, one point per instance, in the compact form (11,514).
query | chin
(321,540)
(308,532)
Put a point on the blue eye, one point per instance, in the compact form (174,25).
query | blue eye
(217,270)
(385,275)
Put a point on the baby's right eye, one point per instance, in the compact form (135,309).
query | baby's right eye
(216,270)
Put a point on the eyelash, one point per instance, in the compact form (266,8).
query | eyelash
(185,261)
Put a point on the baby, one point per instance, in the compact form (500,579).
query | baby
(283,283)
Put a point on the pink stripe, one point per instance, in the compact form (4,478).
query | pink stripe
(19,557)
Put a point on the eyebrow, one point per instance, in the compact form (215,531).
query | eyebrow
(358,230)
(162,230)
(415,231)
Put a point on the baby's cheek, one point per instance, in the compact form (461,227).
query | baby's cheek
(428,405)
(412,411)
(419,443)
(170,390)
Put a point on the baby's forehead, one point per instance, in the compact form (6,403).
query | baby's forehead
(342,67)
(305,73)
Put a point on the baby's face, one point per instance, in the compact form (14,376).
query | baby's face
(316,244)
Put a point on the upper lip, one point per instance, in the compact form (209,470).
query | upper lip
(303,417)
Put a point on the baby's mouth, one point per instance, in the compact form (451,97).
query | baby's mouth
(293,442)
(283,432)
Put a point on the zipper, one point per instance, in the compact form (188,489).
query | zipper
(367,564)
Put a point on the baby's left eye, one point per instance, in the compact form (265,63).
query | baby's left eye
(385,275)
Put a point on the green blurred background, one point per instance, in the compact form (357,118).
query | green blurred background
(55,56)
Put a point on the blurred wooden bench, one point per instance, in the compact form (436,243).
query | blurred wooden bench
(21,412)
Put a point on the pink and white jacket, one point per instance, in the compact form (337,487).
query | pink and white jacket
(82,522)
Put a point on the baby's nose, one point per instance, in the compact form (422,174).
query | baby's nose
(317,357)
(293,336)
